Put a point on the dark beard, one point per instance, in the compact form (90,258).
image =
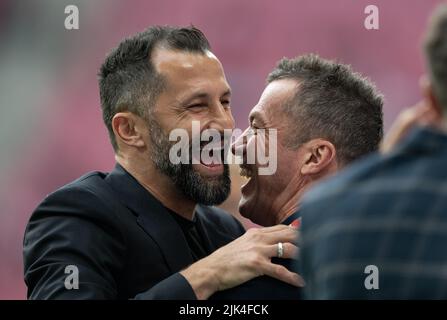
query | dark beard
(207,191)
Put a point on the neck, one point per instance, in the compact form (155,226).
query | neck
(159,185)
(290,206)
(292,200)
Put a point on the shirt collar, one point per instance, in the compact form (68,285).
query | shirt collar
(296,215)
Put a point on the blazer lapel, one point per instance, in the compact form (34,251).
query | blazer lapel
(153,218)
(214,238)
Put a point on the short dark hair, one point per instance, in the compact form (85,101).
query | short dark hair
(331,102)
(127,78)
(436,54)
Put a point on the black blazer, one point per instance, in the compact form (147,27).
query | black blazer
(122,240)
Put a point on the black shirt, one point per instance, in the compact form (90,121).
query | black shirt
(193,233)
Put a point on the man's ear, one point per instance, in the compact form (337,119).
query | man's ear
(429,96)
(319,155)
(128,129)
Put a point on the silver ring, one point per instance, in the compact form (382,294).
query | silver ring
(280,250)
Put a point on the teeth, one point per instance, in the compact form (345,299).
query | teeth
(245,172)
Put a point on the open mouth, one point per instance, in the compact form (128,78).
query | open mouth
(210,158)
(246,171)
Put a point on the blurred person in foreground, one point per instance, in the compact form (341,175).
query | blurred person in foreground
(148,230)
(379,230)
(325,116)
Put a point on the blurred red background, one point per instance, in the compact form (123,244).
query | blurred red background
(51,129)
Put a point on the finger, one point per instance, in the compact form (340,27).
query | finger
(414,112)
(276,228)
(290,251)
(296,223)
(281,273)
(409,116)
(429,118)
(286,235)
(405,121)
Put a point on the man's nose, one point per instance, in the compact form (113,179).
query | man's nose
(222,119)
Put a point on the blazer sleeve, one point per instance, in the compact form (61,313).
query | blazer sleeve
(175,287)
(72,229)
(70,237)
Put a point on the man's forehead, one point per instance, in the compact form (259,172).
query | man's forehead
(279,90)
(275,95)
(174,61)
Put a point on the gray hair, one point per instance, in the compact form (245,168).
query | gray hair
(331,102)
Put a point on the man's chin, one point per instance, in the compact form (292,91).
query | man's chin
(205,188)
(209,171)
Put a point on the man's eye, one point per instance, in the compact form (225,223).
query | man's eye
(225,102)
(197,105)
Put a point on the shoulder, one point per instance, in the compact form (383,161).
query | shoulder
(61,231)
(222,220)
(87,183)
(351,195)
(84,202)
(78,210)
(88,192)
(359,199)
